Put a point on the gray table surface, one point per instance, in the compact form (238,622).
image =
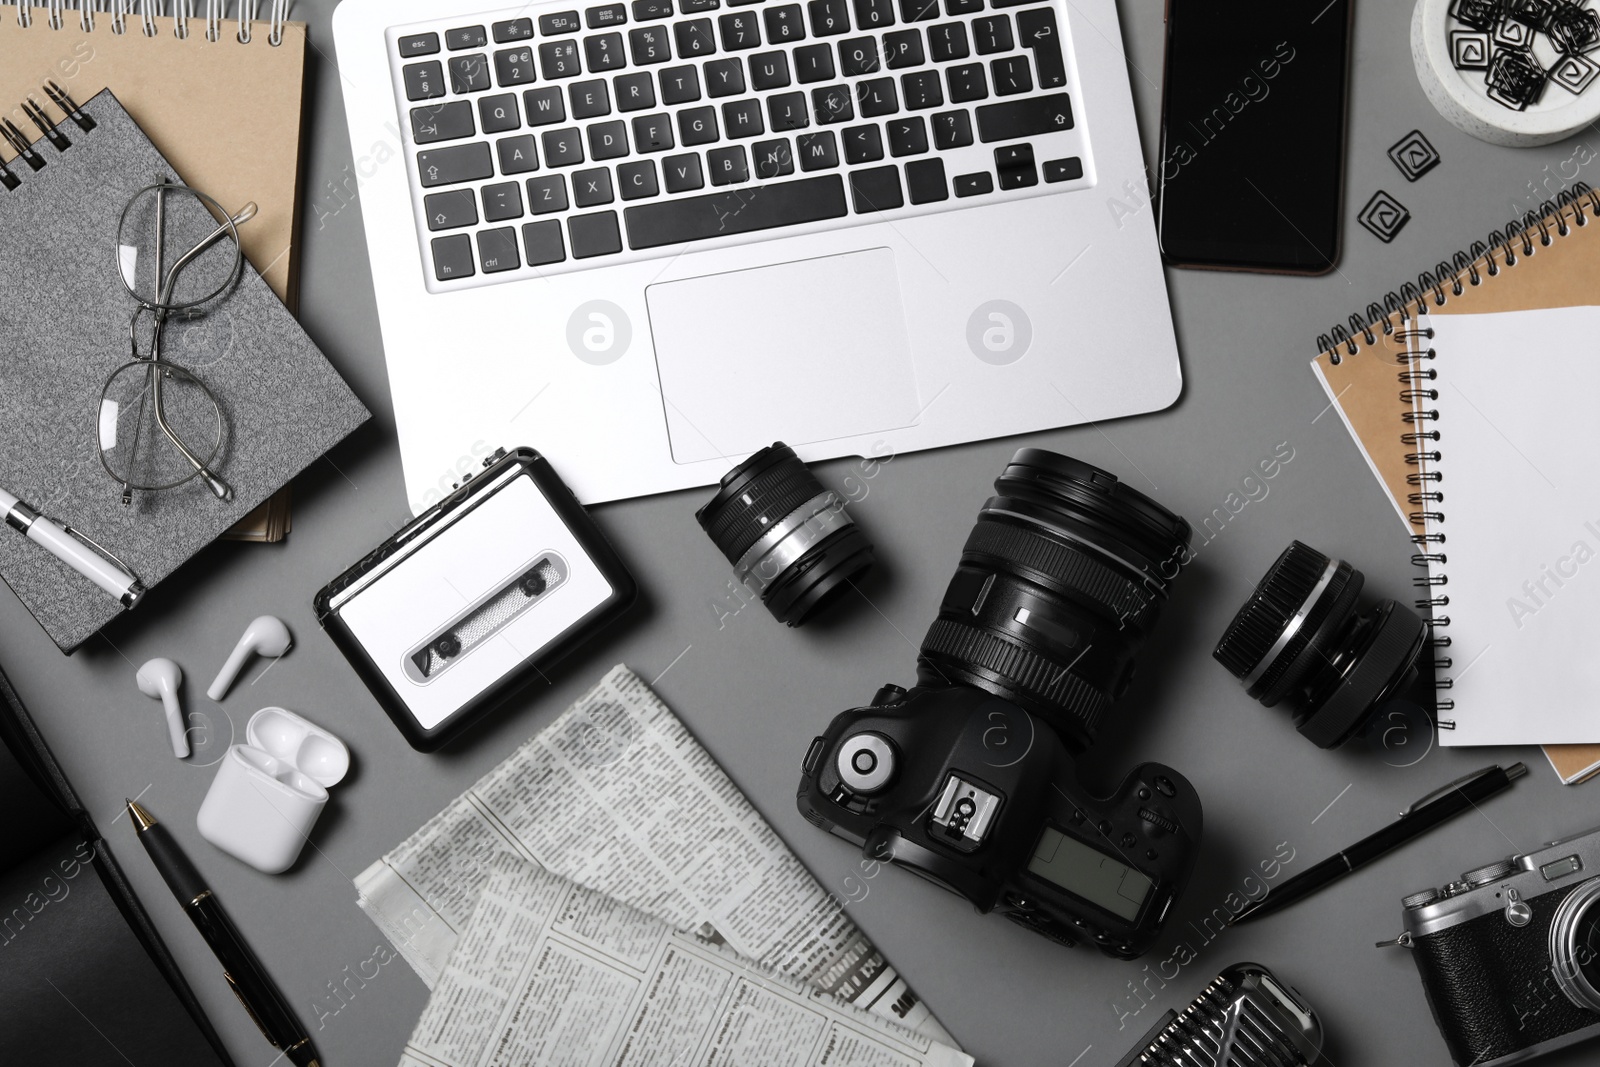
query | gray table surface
(755,692)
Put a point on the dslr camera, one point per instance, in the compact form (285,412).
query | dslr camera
(969,778)
(1509,953)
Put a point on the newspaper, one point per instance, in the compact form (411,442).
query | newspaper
(547,972)
(617,797)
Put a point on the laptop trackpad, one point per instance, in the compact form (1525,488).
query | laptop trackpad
(798,352)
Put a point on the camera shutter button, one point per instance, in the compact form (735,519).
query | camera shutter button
(866,763)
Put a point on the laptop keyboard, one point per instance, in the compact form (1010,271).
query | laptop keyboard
(553,140)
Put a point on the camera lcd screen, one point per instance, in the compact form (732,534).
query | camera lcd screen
(1089,873)
(1252,138)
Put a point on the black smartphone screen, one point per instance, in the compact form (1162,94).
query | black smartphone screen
(1251,168)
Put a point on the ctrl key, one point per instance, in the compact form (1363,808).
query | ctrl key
(452,258)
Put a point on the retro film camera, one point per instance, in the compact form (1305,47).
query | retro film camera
(968,779)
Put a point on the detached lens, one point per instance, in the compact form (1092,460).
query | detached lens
(1059,583)
(786,536)
(1300,639)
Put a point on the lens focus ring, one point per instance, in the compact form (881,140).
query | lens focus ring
(1065,567)
(965,647)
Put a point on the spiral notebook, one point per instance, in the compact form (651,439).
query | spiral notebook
(220,94)
(65,318)
(1387,372)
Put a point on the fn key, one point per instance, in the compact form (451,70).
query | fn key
(452,257)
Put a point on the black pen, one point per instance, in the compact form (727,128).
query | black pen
(240,967)
(1432,810)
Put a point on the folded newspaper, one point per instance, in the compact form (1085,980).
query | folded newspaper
(607,896)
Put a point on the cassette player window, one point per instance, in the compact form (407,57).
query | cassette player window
(1089,873)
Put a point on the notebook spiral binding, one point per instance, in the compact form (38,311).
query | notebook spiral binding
(12,135)
(1545,223)
(53,13)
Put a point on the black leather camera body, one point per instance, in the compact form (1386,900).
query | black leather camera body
(978,796)
(1509,953)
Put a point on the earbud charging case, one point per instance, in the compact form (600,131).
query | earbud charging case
(268,793)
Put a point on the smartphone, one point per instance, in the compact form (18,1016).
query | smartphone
(1251,169)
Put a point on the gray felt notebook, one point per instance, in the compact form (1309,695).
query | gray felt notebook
(64,327)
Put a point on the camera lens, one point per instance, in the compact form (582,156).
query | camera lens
(1060,581)
(1300,638)
(1575,945)
(786,536)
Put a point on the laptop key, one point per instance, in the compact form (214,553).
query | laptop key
(562,148)
(728,166)
(604,52)
(874,14)
(740,30)
(695,38)
(948,41)
(993,34)
(590,99)
(694,7)
(542,243)
(1011,76)
(1024,118)
(650,10)
(952,129)
(966,82)
(442,122)
(514,66)
(788,111)
(832,104)
(963,7)
(594,235)
(649,45)
(784,23)
(499,113)
(724,77)
(419,44)
(451,210)
(680,85)
(465,37)
(547,194)
(591,188)
(544,106)
(635,91)
(682,175)
(1038,31)
(769,70)
(818,151)
(877,97)
(696,218)
(908,136)
(918,10)
(921,89)
(637,179)
(608,140)
(863,144)
(461,163)
(424,81)
(774,159)
(652,133)
(558,22)
(469,74)
(858,55)
(925,182)
(1014,164)
(609,15)
(828,17)
(518,155)
(903,48)
(1063,170)
(513,30)
(559,59)
(697,125)
(877,189)
(813,63)
(452,257)
(742,118)
(974,184)
(502,201)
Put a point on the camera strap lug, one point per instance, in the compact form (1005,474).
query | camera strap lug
(1403,941)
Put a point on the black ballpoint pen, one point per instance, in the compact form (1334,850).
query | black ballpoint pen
(1432,810)
(240,967)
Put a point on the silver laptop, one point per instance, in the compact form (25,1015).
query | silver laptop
(648,237)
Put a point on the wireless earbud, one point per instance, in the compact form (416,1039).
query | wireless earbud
(160,678)
(265,636)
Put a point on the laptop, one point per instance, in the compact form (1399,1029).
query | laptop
(648,237)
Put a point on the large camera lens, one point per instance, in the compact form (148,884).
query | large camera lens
(786,536)
(1301,638)
(1574,945)
(1061,579)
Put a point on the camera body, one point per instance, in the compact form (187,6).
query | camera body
(980,797)
(1509,954)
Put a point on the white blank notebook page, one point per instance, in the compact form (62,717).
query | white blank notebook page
(1519,426)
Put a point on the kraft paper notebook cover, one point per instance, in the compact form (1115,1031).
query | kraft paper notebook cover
(226,114)
(1549,259)
(64,328)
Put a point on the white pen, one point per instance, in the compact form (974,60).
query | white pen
(73,549)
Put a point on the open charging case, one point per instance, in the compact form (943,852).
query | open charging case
(269,791)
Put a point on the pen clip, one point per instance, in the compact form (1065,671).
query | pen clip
(250,1011)
(98,547)
(1449,788)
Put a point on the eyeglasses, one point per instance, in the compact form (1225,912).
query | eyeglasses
(159,425)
